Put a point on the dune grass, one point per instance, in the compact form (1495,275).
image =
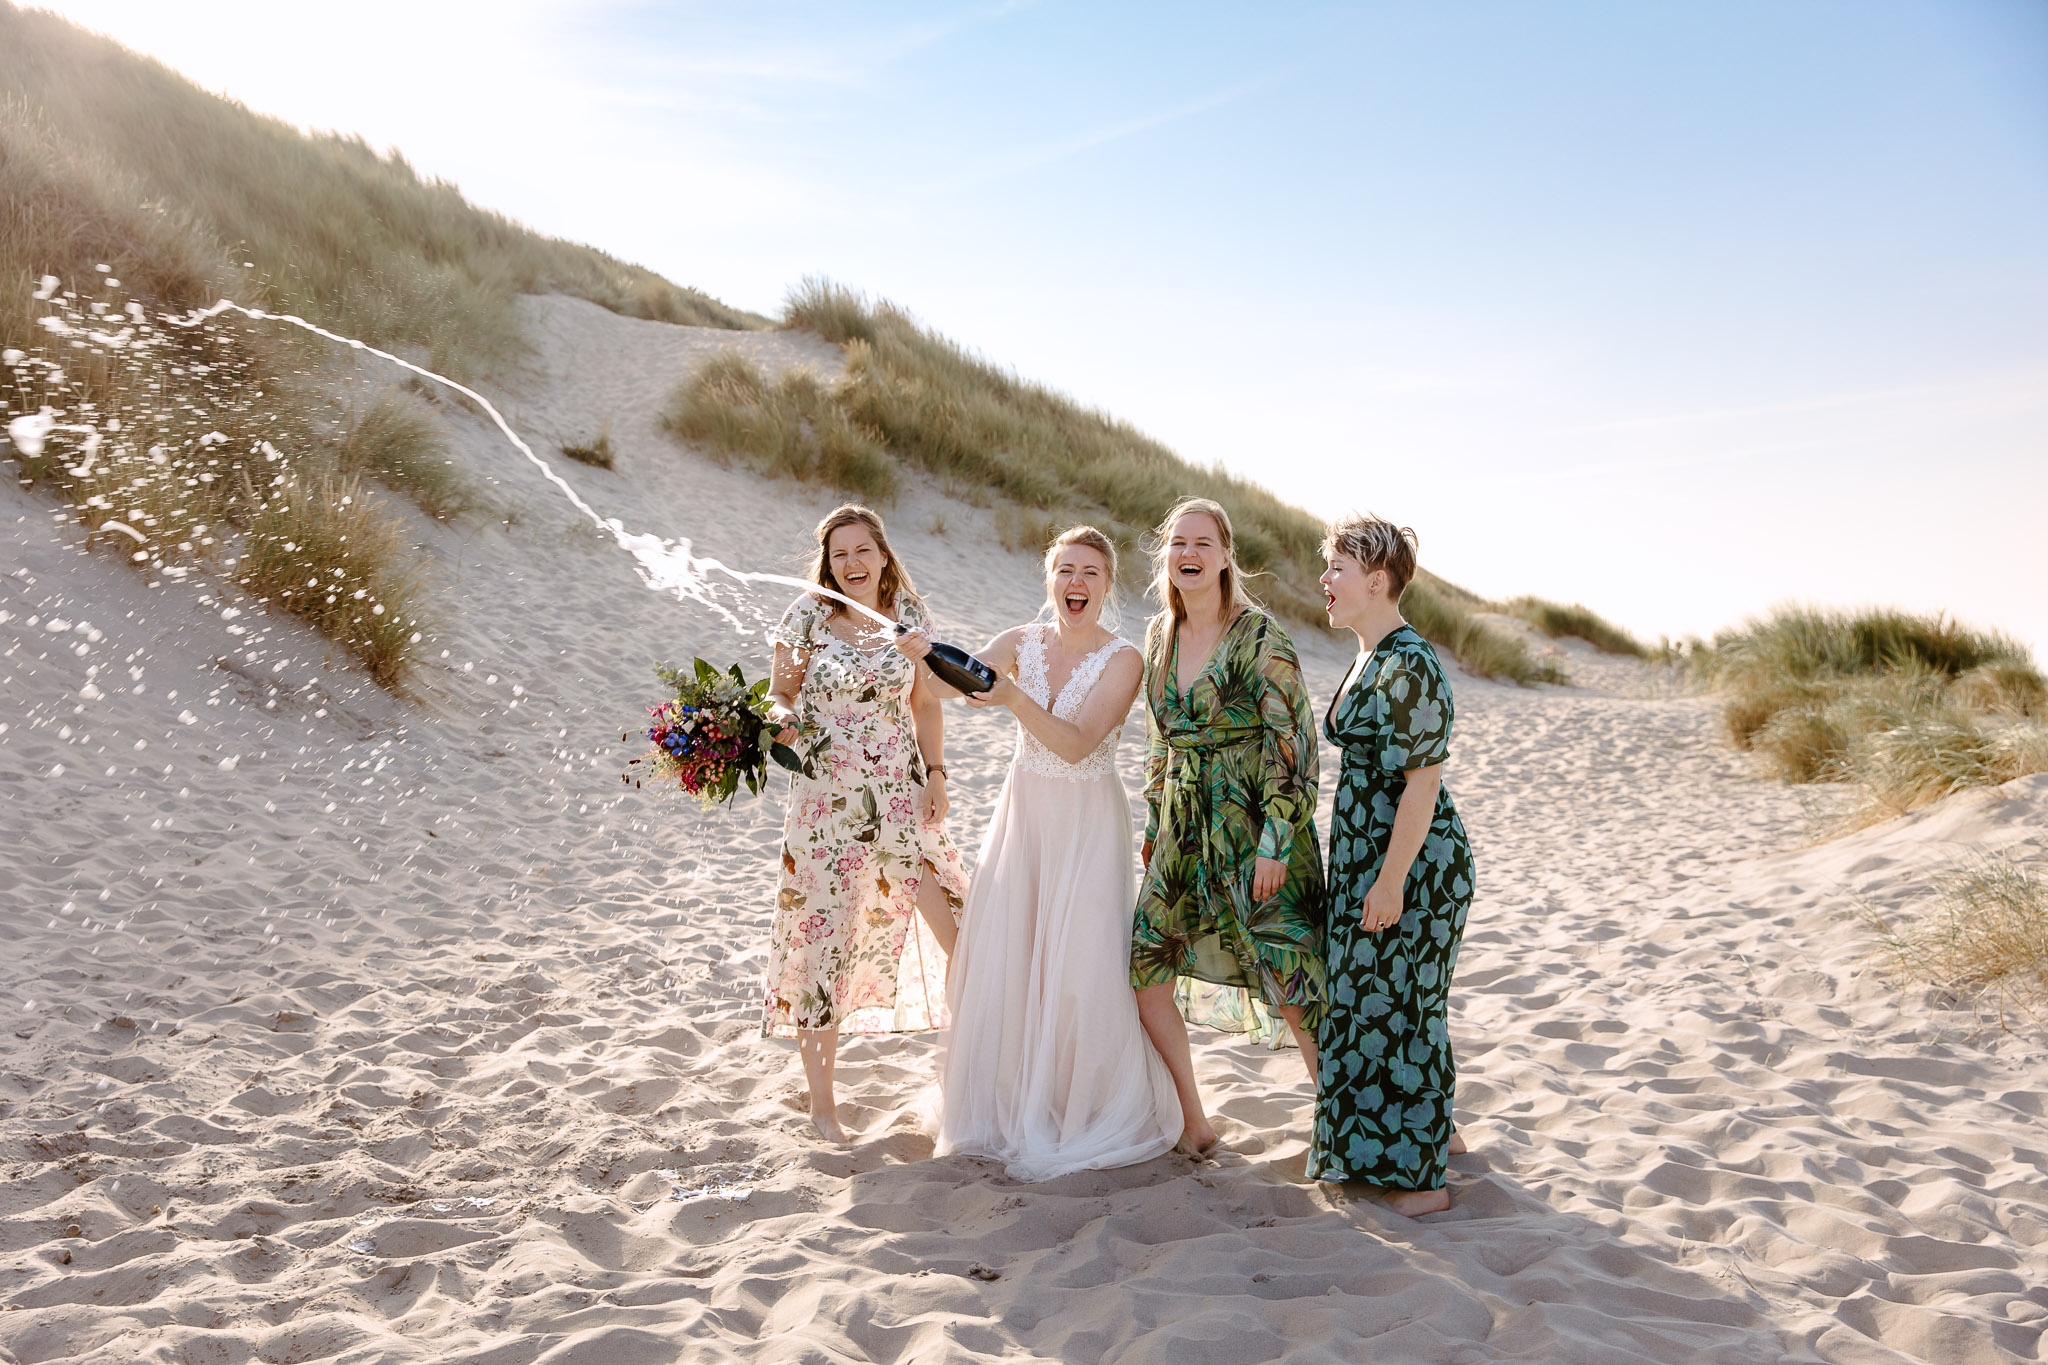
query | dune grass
(1557,620)
(114,168)
(107,156)
(595,452)
(398,442)
(323,552)
(1986,934)
(1908,708)
(796,427)
(910,397)
(171,450)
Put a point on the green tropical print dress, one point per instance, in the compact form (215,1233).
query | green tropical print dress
(1230,777)
(1386,1075)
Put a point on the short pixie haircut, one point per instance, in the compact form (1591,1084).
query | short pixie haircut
(1376,544)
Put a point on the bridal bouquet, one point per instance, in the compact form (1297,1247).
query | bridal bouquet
(712,734)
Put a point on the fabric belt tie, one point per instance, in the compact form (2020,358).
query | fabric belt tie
(1187,786)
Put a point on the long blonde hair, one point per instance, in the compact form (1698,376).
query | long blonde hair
(895,578)
(1235,598)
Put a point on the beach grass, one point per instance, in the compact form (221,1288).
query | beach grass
(398,442)
(115,168)
(1985,934)
(108,156)
(595,452)
(1558,620)
(796,427)
(321,550)
(1907,708)
(910,398)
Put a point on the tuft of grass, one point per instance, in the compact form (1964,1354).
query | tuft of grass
(1555,619)
(596,452)
(1443,614)
(321,551)
(795,428)
(1986,934)
(1022,529)
(399,443)
(1907,708)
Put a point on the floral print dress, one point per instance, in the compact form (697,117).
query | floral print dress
(1230,777)
(1383,1092)
(848,949)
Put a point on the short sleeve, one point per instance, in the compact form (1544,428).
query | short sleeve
(798,628)
(1417,731)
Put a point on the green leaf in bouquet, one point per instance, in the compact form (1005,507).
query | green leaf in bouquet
(786,757)
(707,672)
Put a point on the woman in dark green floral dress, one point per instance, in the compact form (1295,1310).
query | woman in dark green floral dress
(1233,887)
(1400,884)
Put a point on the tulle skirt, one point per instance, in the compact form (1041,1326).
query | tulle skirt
(1047,1068)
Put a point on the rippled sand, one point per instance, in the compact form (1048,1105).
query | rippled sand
(344,1027)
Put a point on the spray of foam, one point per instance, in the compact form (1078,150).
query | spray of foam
(663,565)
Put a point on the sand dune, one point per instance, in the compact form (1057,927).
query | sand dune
(351,1028)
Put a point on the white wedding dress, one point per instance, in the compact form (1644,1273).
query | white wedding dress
(1047,1068)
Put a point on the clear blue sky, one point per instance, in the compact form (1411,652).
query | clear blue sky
(1678,309)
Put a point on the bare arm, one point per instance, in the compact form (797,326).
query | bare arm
(1412,818)
(786,681)
(928,718)
(1073,740)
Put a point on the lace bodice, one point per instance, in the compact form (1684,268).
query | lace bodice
(1033,756)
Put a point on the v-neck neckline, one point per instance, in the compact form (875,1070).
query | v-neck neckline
(1353,679)
(1054,694)
(1173,657)
(866,656)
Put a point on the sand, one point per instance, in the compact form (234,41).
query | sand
(345,1027)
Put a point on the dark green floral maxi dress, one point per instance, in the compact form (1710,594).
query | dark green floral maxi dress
(1383,1092)
(1230,777)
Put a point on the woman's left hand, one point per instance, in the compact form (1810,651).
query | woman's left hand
(933,802)
(1382,908)
(1003,693)
(1268,876)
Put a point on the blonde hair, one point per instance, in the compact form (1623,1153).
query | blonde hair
(1376,544)
(1094,540)
(894,579)
(1235,598)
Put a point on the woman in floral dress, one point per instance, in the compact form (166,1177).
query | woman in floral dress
(1233,887)
(1401,881)
(862,842)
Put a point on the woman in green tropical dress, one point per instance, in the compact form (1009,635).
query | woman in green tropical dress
(1401,881)
(1233,887)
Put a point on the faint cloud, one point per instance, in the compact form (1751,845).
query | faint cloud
(1004,167)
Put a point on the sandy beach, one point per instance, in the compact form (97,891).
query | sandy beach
(350,1027)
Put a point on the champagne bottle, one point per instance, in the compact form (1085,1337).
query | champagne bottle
(955,667)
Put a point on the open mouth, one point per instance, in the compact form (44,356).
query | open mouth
(856,579)
(1329,600)
(1075,603)
(1190,571)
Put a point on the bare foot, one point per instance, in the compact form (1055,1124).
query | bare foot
(827,1124)
(1414,1203)
(1457,1146)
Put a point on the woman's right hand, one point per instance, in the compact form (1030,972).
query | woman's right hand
(784,715)
(914,644)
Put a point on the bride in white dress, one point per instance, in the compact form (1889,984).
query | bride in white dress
(1047,1068)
